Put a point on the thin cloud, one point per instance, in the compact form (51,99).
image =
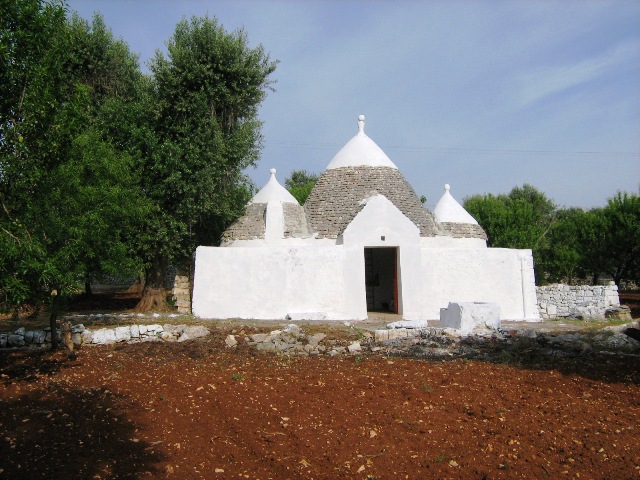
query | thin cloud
(537,85)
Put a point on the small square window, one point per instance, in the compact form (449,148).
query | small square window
(382,238)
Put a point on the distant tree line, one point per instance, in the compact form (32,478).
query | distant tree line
(568,244)
(107,170)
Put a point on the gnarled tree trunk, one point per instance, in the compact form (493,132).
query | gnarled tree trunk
(154,294)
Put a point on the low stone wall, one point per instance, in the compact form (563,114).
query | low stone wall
(558,300)
(104,336)
(181,289)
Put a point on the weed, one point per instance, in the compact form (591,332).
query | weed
(360,333)
(443,457)
(358,359)
(237,377)
(427,388)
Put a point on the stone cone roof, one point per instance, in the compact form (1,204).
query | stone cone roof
(454,220)
(252,224)
(337,198)
(358,171)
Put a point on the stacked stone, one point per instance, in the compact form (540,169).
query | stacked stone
(292,341)
(181,291)
(104,336)
(463,230)
(295,221)
(249,226)
(337,198)
(556,301)
(26,338)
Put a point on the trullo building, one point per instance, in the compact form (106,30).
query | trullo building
(363,242)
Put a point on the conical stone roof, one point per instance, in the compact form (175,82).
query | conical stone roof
(252,225)
(361,170)
(455,220)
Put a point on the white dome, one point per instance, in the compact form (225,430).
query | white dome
(448,210)
(360,151)
(273,192)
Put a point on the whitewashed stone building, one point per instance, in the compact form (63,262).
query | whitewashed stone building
(363,242)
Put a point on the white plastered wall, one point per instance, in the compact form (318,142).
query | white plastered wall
(498,275)
(271,282)
(328,280)
(381,224)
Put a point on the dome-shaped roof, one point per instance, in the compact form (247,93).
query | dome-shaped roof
(273,191)
(253,224)
(449,210)
(359,171)
(454,220)
(360,151)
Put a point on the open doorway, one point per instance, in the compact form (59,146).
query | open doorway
(381,279)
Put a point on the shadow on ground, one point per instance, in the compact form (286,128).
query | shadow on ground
(64,433)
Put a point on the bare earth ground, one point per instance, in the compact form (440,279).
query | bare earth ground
(200,410)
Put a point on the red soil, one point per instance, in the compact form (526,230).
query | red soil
(198,410)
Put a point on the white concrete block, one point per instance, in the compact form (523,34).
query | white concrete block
(465,316)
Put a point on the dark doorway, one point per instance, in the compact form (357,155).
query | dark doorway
(381,279)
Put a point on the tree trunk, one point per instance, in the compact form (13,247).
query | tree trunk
(154,295)
(53,320)
(87,286)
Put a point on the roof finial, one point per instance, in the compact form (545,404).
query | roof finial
(447,187)
(361,124)
(272,172)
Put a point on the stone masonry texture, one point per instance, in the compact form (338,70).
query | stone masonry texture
(556,301)
(249,226)
(336,199)
(295,221)
(463,230)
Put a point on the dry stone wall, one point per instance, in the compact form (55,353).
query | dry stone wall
(557,301)
(104,336)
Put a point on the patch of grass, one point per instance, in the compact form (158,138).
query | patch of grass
(237,377)
(443,457)
(592,323)
(427,388)
(360,333)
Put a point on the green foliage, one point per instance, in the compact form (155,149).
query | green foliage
(521,219)
(300,183)
(622,216)
(203,132)
(103,169)
(567,244)
(68,194)
(601,241)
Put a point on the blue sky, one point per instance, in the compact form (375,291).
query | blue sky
(482,94)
